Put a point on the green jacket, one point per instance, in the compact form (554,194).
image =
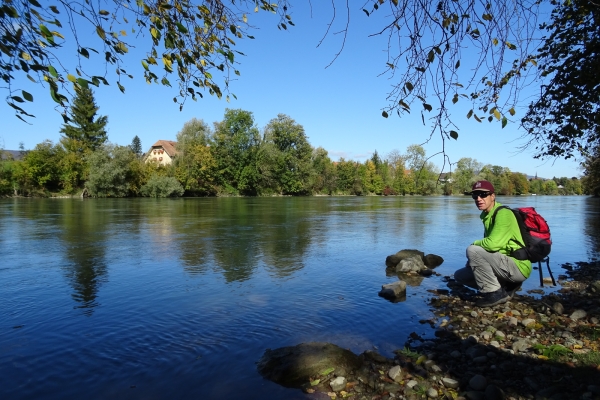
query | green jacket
(497,237)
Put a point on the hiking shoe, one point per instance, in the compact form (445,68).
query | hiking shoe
(493,298)
(511,289)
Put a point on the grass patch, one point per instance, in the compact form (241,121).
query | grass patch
(589,359)
(406,352)
(554,352)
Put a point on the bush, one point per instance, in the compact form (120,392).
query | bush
(162,186)
(110,171)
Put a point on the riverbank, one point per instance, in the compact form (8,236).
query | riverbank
(536,346)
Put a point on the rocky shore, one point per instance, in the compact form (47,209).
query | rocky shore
(536,346)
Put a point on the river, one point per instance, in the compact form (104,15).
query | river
(178,298)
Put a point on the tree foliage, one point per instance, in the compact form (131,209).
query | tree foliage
(110,171)
(136,146)
(85,132)
(565,119)
(190,42)
(236,144)
(290,156)
(162,186)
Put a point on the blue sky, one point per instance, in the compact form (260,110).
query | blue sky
(284,72)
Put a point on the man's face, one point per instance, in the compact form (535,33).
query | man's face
(483,200)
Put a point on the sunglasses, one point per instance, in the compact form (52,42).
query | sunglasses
(483,195)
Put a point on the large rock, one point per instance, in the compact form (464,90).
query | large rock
(393,260)
(395,291)
(294,365)
(433,260)
(429,260)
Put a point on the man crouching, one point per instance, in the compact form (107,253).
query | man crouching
(490,268)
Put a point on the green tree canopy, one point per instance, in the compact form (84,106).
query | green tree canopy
(565,120)
(236,143)
(291,157)
(136,146)
(85,132)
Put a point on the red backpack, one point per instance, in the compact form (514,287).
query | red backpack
(535,232)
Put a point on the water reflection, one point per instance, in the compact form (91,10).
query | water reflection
(84,236)
(592,225)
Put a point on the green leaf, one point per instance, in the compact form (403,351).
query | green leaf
(181,28)
(327,371)
(430,56)
(17,99)
(52,71)
(470,114)
(54,96)
(35,3)
(145,65)
(45,31)
(504,122)
(83,51)
(121,87)
(82,82)
(384,114)
(103,12)
(454,135)
(409,86)
(427,107)
(457,64)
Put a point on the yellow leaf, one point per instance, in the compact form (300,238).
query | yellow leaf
(421,359)
(123,33)
(101,32)
(26,56)
(512,111)
(245,18)
(71,78)
(496,114)
(58,34)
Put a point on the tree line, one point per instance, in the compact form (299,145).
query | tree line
(235,158)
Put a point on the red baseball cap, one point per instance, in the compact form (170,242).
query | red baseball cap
(483,186)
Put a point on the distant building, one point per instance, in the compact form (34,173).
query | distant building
(162,152)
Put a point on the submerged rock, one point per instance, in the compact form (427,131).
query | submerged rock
(293,366)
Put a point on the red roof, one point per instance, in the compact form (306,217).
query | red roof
(167,145)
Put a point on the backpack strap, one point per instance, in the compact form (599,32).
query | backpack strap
(496,212)
(518,223)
